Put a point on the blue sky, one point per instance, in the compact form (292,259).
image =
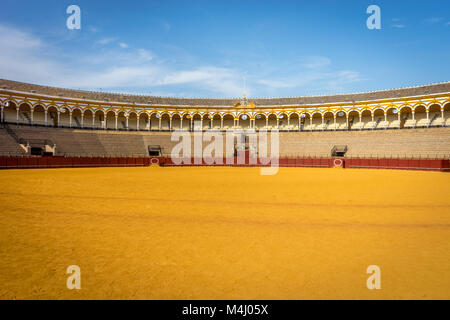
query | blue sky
(206,48)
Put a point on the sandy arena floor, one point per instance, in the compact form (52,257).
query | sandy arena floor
(224,233)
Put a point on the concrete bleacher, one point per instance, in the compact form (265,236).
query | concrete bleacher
(72,142)
(419,142)
(430,142)
(8,145)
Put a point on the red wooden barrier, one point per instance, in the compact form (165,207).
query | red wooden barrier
(414,164)
(325,162)
(63,162)
(2,162)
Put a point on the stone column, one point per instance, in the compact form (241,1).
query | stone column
(82,120)
(159,123)
(117,118)
(17,115)
(70,119)
(31,118)
(1,115)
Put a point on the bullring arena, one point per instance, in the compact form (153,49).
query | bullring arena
(90,180)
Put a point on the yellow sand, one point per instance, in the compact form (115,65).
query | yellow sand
(224,233)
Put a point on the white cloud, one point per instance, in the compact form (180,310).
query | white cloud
(105,41)
(145,55)
(123,45)
(434,20)
(398,26)
(22,59)
(316,62)
(334,80)
(15,39)
(27,58)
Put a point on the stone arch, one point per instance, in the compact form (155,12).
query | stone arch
(341,120)
(9,111)
(316,119)
(39,114)
(154,121)
(294,121)
(282,120)
(392,117)
(228,121)
(378,118)
(110,120)
(406,116)
(165,121)
(447,114)
(353,120)
(52,116)
(206,121)
(144,123)
(305,121)
(99,119)
(176,121)
(25,113)
(328,120)
(366,119)
(187,121)
(64,116)
(260,121)
(121,120)
(133,121)
(217,121)
(435,114)
(272,121)
(244,121)
(76,118)
(420,116)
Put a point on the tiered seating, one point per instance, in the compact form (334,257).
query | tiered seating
(8,146)
(378,143)
(426,142)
